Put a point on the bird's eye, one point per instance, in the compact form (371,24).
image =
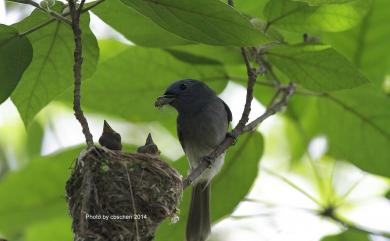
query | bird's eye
(183,87)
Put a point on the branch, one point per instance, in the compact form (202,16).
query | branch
(78,60)
(275,107)
(47,22)
(54,14)
(252,76)
(281,99)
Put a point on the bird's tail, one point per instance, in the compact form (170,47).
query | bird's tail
(198,224)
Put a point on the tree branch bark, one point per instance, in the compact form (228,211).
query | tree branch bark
(275,107)
(78,60)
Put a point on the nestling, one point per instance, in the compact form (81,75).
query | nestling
(110,138)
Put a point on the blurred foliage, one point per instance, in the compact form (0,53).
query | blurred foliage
(348,235)
(301,17)
(204,21)
(144,33)
(339,72)
(48,74)
(39,195)
(365,44)
(15,56)
(316,67)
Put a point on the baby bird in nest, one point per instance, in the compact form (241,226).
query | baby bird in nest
(110,138)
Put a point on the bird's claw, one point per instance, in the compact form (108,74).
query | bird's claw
(233,136)
(208,160)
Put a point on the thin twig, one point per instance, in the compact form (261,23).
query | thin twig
(133,203)
(274,108)
(54,14)
(47,22)
(78,60)
(252,76)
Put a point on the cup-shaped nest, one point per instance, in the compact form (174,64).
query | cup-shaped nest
(121,196)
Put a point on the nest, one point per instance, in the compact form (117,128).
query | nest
(120,196)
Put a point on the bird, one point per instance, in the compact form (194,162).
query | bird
(110,138)
(202,124)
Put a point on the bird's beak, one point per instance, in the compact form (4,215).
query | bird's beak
(107,128)
(164,100)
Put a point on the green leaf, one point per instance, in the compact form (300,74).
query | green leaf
(320,2)
(143,31)
(58,229)
(238,173)
(349,235)
(192,58)
(316,67)
(300,17)
(199,53)
(35,193)
(387,195)
(367,45)
(356,123)
(51,70)
(121,87)
(34,139)
(15,55)
(251,7)
(205,21)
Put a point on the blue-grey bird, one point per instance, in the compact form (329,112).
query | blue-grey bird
(202,124)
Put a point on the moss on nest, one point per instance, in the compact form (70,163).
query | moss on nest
(127,195)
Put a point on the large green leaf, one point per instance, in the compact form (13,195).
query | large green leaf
(319,2)
(367,45)
(34,139)
(300,17)
(51,70)
(206,54)
(228,188)
(356,123)
(35,193)
(15,55)
(127,84)
(316,67)
(251,7)
(349,235)
(205,21)
(143,31)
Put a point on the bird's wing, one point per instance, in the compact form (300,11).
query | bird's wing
(228,112)
(179,134)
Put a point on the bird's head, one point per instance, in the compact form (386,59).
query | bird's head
(185,95)
(110,138)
